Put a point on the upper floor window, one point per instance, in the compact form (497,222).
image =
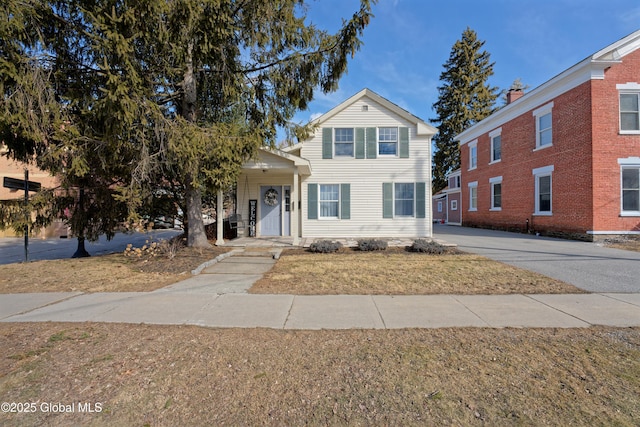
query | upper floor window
(343,142)
(473,155)
(454,181)
(629,112)
(629,107)
(388,141)
(544,134)
(496,145)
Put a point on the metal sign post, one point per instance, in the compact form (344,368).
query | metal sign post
(26,185)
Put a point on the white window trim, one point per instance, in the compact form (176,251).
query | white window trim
(630,88)
(537,174)
(471,185)
(628,163)
(492,135)
(473,144)
(492,181)
(537,113)
(413,215)
(378,141)
(328,218)
(454,205)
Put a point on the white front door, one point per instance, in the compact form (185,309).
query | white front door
(271,210)
(275,210)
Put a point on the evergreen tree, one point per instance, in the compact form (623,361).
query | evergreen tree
(464,99)
(178,92)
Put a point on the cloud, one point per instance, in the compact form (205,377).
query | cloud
(315,116)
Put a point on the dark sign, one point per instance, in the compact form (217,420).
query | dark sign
(253,215)
(18,184)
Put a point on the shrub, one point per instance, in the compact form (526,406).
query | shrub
(428,246)
(372,245)
(324,246)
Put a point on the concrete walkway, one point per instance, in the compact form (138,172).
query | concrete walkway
(217,298)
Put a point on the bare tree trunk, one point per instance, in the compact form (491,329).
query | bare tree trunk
(196,237)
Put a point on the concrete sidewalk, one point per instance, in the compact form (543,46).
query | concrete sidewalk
(217,297)
(237,310)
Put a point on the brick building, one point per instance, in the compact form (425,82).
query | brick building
(563,159)
(13,169)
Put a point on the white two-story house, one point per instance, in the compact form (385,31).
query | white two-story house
(364,173)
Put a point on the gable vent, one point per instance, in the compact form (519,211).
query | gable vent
(365,108)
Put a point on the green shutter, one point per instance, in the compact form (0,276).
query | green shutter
(327,143)
(404,143)
(359,143)
(387,200)
(372,143)
(421,200)
(345,201)
(312,197)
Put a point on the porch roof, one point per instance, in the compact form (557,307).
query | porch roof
(278,160)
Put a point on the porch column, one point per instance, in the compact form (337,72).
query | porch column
(220,218)
(295,214)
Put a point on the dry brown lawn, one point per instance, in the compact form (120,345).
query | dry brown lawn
(108,273)
(396,272)
(392,272)
(186,375)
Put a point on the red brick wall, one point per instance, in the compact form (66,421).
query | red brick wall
(570,155)
(609,146)
(585,152)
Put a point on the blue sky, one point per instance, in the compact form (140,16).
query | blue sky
(408,41)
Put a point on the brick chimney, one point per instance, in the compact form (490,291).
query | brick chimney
(514,94)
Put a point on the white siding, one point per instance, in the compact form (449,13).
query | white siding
(366,177)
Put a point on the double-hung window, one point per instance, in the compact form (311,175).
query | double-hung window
(404,199)
(388,141)
(544,133)
(473,196)
(543,190)
(630,186)
(631,190)
(629,112)
(496,145)
(404,196)
(343,142)
(329,200)
(496,193)
(629,107)
(473,155)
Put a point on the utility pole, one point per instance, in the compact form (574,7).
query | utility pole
(26,215)
(26,185)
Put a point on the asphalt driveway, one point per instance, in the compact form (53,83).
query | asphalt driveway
(12,248)
(588,266)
